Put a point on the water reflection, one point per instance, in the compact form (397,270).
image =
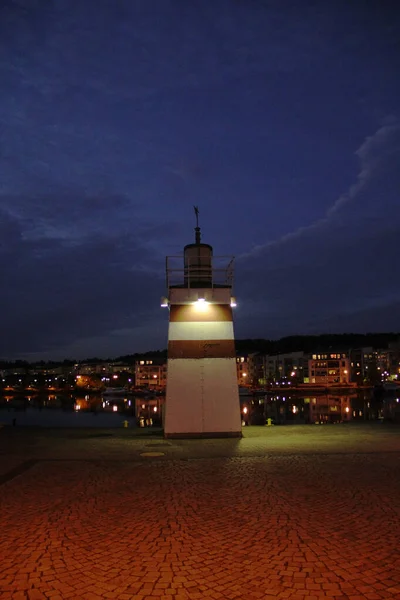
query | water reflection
(97,410)
(57,409)
(319,409)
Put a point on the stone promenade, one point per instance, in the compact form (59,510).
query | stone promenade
(296,512)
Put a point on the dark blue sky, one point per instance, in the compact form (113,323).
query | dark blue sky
(280,119)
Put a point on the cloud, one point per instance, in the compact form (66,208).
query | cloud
(377,154)
(336,272)
(58,289)
(115,118)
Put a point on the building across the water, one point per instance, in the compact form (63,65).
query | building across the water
(329,368)
(151,373)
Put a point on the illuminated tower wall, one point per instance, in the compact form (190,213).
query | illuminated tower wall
(202,398)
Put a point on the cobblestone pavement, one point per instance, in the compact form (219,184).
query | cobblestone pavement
(290,514)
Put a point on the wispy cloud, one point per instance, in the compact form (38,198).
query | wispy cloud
(373,155)
(337,271)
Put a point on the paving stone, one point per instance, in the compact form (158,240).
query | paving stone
(232,522)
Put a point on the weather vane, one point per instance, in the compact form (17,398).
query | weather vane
(196,212)
(197,228)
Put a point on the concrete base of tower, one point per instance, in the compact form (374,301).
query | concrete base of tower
(203,435)
(202,399)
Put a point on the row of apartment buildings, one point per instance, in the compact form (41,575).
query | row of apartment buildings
(357,367)
(327,368)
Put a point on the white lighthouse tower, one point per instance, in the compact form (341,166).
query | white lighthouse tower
(202,397)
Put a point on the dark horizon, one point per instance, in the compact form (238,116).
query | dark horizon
(324,341)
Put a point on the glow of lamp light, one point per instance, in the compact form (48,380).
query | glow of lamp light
(201,304)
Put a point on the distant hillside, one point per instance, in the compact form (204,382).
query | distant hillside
(294,343)
(315,343)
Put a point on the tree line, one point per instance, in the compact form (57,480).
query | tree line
(285,345)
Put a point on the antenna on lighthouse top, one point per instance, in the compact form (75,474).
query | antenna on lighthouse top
(197,228)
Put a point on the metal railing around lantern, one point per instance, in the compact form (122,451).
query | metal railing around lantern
(217,272)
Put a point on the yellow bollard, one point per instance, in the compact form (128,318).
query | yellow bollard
(269,422)
(126,423)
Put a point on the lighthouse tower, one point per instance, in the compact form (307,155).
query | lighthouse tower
(202,398)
